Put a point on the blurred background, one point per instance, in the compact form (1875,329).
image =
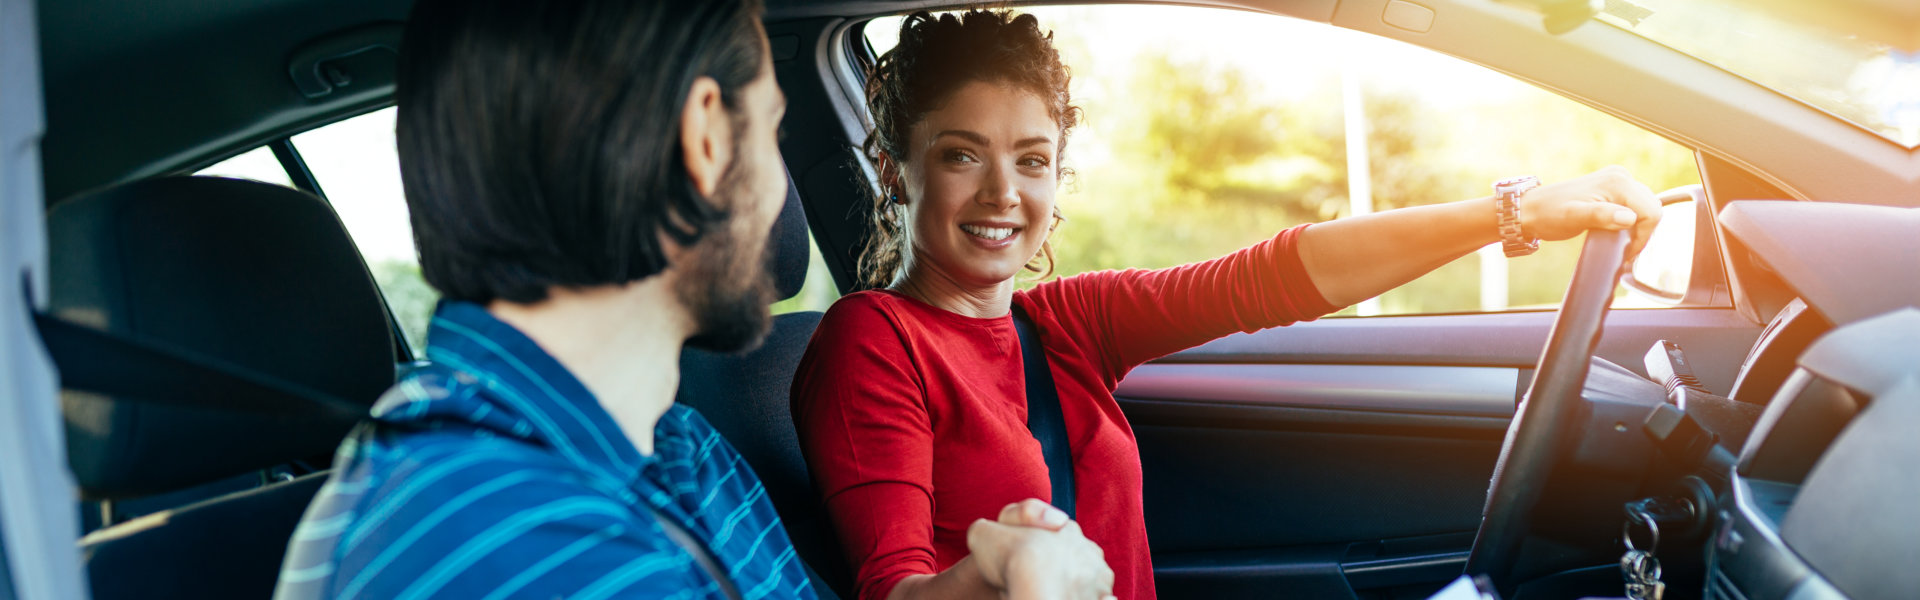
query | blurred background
(1190,146)
(1195,145)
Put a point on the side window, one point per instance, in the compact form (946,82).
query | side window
(357,165)
(818,292)
(1194,145)
(258,164)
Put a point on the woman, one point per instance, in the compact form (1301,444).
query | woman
(910,400)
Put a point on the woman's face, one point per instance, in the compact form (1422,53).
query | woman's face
(980,178)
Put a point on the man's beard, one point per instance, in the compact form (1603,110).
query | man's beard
(725,284)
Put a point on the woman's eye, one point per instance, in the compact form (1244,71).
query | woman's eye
(1033,161)
(959,156)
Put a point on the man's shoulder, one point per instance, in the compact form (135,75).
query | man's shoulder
(442,463)
(439,515)
(690,450)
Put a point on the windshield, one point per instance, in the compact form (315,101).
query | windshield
(1871,84)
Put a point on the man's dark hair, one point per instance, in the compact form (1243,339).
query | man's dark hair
(540,139)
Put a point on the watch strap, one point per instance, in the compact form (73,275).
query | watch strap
(1513,238)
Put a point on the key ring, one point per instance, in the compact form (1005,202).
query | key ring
(1653,530)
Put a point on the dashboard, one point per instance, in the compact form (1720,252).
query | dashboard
(1824,499)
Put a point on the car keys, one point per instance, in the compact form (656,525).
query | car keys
(1639,567)
(1642,572)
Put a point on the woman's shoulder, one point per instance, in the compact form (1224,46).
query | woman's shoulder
(862,331)
(888,319)
(863,299)
(898,311)
(863,307)
(859,317)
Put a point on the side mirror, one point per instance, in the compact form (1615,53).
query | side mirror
(1665,270)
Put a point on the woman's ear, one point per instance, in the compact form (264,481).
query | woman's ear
(890,179)
(706,136)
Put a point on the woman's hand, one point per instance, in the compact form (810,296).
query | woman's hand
(1034,551)
(1609,199)
(1357,258)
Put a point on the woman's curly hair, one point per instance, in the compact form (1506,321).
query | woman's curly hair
(936,57)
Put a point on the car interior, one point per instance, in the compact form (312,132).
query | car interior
(217,337)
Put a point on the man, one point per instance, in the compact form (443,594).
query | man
(591,184)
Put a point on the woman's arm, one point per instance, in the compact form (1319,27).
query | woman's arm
(1120,319)
(1125,318)
(1358,258)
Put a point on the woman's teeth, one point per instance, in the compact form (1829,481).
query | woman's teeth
(991,233)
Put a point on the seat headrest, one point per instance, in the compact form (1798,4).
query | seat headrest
(260,276)
(787,246)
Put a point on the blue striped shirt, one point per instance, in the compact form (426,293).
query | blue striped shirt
(494,473)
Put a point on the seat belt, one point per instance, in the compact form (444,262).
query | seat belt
(90,360)
(1044,419)
(95,361)
(701,554)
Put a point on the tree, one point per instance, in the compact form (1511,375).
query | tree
(1200,160)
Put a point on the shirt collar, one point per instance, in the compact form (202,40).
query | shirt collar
(519,378)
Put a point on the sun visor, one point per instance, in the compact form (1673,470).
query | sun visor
(1848,261)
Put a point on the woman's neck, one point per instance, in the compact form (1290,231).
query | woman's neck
(944,292)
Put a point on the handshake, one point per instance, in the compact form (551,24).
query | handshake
(1034,551)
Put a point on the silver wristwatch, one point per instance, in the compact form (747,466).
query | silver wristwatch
(1507,193)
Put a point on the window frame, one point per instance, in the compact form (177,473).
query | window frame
(850,53)
(303,179)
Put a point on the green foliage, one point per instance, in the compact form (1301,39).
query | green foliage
(1200,160)
(409,297)
(818,292)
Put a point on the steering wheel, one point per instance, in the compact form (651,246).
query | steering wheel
(1538,436)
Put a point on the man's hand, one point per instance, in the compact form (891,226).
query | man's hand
(1609,199)
(1034,513)
(1034,551)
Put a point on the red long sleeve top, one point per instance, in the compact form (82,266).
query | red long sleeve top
(913,418)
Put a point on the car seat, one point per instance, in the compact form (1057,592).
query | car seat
(260,277)
(745,397)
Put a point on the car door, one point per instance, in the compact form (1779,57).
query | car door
(37,525)
(1351,455)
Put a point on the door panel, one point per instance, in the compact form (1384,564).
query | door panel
(1350,457)
(1464,391)
(1246,489)
(1715,339)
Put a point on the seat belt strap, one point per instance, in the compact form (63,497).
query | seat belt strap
(701,554)
(1044,419)
(95,361)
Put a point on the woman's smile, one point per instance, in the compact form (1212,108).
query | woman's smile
(992,234)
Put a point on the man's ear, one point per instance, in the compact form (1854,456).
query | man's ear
(706,136)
